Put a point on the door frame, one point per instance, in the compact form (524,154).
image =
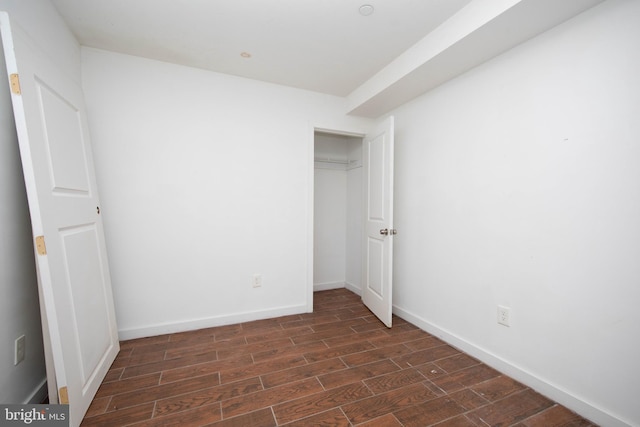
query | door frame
(355,131)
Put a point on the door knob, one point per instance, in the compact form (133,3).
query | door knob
(384,231)
(393,231)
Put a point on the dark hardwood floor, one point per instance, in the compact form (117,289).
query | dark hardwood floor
(338,366)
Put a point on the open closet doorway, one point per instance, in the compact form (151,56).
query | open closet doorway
(351,225)
(338,219)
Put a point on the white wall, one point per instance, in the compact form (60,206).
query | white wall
(518,183)
(205,180)
(19,308)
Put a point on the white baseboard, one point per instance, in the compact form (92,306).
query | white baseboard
(353,288)
(39,394)
(191,325)
(327,286)
(531,380)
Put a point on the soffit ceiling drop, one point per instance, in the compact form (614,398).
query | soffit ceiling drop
(378,61)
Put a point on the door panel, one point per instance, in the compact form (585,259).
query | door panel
(85,285)
(378,212)
(63,141)
(376,161)
(376,256)
(73,271)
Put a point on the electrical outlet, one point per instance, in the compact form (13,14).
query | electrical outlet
(20,349)
(256,281)
(503,315)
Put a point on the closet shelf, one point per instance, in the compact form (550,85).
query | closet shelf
(330,160)
(337,164)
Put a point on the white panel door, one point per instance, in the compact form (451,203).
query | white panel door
(378,222)
(71,256)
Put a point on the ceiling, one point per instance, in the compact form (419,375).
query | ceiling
(378,62)
(321,45)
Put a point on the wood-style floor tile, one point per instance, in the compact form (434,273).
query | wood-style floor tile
(258,369)
(556,416)
(512,409)
(251,402)
(332,366)
(281,333)
(311,321)
(207,368)
(149,368)
(121,417)
(333,418)
(429,413)
(465,378)
(394,380)
(387,420)
(469,399)
(371,326)
(194,350)
(333,352)
(399,338)
(421,357)
(456,363)
(459,421)
(227,332)
(307,406)
(319,336)
(192,418)
(352,375)
(338,366)
(149,348)
(255,347)
(431,370)
(351,339)
(113,375)
(151,394)
(98,406)
(288,350)
(497,388)
(262,418)
(375,355)
(138,343)
(378,405)
(138,359)
(129,385)
(206,396)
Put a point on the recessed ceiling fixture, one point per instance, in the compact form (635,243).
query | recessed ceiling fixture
(366,10)
(245,55)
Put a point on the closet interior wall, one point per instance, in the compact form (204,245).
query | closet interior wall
(337,212)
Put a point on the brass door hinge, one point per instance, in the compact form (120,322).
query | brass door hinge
(40,246)
(63,395)
(15,84)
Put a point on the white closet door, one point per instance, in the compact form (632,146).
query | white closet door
(378,221)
